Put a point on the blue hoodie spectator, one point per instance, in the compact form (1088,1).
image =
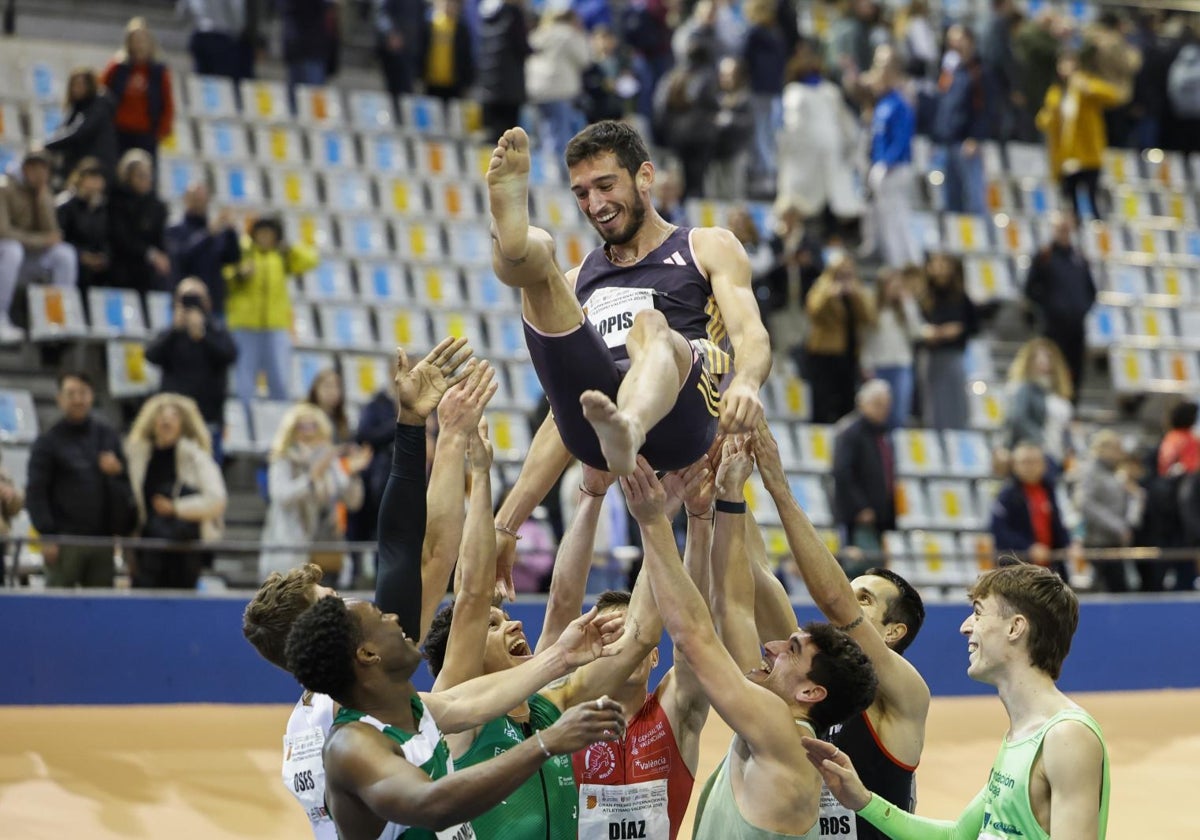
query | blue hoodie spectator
(200,249)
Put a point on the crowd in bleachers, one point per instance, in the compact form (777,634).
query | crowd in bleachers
(213,228)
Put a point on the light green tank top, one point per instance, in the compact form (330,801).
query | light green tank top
(719,818)
(1008,812)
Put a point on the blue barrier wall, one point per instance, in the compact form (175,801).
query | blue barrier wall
(131,648)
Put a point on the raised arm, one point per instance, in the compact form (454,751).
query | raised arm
(731,590)
(773,612)
(361,762)
(903,696)
(755,713)
(720,254)
(548,457)
(568,584)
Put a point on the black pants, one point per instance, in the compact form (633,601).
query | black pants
(399,70)
(834,381)
(217,54)
(499,117)
(1071,339)
(1089,180)
(167,569)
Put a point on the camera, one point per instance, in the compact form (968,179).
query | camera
(192,301)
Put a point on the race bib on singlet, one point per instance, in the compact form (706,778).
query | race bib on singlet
(304,771)
(624,812)
(836,820)
(458,832)
(611,312)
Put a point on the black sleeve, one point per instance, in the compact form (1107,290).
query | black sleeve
(402,531)
(218,344)
(158,349)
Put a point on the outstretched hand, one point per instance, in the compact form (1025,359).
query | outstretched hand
(587,638)
(419,389)
(644,493)
(462,407)
(741,408)
(737,463)
(766,452)
(838,773)
(692,487)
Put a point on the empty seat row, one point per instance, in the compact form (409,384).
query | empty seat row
(1144,370)
(1150,326)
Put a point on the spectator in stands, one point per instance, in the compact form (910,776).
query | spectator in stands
(87,130)
(668,197)
(1039,405)
(1175,499)
(818,142)
(1000,63)
(840,314)
(1081,138)
(950,320)
(449,58)
(328,394)
(12,502)
(554,74)
(306,481)
(608,81)
(798,262)
(1036,45)
(758,250)
(309,29)
(1060,288)
(140,85)
(888,349)
(685,113)
(398,26)
(31,242)
(918,41)
(216,45)
(965,117)
(259,309)
(864,471)
(1148,107)
(377,430)
(1025,516)
(77,487)
(734,137)
(195,354)
(765,56)
(645,30)
(137,225)
(503,48)
(200,246)
(853,38)
(699,26)
(890,178)
(1105,496)
(82,214)
(177,487)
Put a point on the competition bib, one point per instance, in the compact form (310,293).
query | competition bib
(624,812)
(458,832)
(611,312)
(836,820)
(304,771)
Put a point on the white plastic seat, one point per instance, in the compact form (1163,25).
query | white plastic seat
(18,417)
(129,375)
(419,241)
(454,200)
(385,154)
(401,195)
(404,327)
(55,312)
(364,375)
(311,228)
(925,231)
(346,326)
(1131,204)
(329,281)
(525,383)
(224,141)
(304,326)
(176,175)
(1105,325)
(912,504)
(1015,236)
(989,278)
(278,145)
(1100,241)
(459,324)
(434,285)
(330,148)
(1027,159)
(788,396)
(1189,325)
(364,236)
(382,283)
(238,438)
(484,289)
(966,234)
(918,452)
(319,106)
(266,416)
(936,560)
(506,334)
(951,504)
(1177,283)
(44,120)
(16,464)
(306,364)
(179,142)
(1178,368)
(573,247)
(464,117)
(371,111)
(815,447)
(1166,169)
(43,82)
(238,184)
(759,502)
(437,159)
(1132,369)
(986,405)
(265,102)
(211,97)
(1151,322)
(348,192)
(160,309)
(977,549)
(1148,240)
(545,170)
(789,453)
(967,453)
(1126,279)
(510,434)
(1038,197)
(116,313)
(1121,166)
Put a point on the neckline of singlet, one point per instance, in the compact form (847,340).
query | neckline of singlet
(806,725)
(611,261)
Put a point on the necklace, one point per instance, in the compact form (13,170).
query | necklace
(619,260)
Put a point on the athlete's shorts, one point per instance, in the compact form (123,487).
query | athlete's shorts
(567,365)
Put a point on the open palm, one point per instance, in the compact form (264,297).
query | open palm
(419,389)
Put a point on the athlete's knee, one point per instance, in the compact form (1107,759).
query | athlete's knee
(649,325)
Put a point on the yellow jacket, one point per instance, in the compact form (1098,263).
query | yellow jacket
(828,321)
(258,298)
(1049,122)
(1083,139)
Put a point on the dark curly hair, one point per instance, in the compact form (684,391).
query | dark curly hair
(321,646)
(844,671)
(619,138)
(437,638)
(907,608)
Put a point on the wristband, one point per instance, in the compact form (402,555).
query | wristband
(588,492)
(542,743)
(723,506)
(508,531)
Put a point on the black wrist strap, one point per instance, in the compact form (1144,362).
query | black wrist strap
(730,507)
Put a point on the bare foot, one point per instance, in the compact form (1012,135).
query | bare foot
(508,193)
(620,439)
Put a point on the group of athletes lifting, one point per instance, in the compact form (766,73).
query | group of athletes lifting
(635,350)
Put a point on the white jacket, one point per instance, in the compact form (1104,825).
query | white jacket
(194,469)
(554,72)
(816,150)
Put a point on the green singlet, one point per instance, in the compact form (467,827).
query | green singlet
(544,807)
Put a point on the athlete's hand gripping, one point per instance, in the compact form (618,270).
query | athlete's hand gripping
(838,772)
(741,408)
(462,407)
(587,638)
(587,723)
(419,389)
(644,493)
(736,465)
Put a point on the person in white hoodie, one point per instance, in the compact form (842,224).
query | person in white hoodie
(888,350)
(554,73)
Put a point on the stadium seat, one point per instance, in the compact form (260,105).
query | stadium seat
(278,145)
(176,175)
(1178,369)
(348,192)
(437,159)
(311,228)
(1174,282)
(1165,168)
(43,82)
(809,493)
(44,120)
(510,435)
(1014,236)
(912,504)
(385,154)
(788,396)
(464,117)
(224,141)
(265,102)
(1105,325)
(967,453)
(371,111)
(16,464)
(1143,239)
(1038,198)
(365,375)
(211,97)
(454,200)
(1132,369)
(401,195)
(525,383)
(555,209)
(419,241)
(364,236)
(1132,204)
(966,234)
(789,453)
(330,148)
(180,141)
(1189,325)
(936,561)
(1121,166)
(545,170)
(129,375)
(815,447)
(986,405)
(1098,241)
(55,312)
(1125,279)
(918,452)
(237,437)
(924,229)
(573,247)
(459,324)
(423,115)
(989,278)
(18,417)
(1152,323)
(306,364)
(469,244)
(266,417)
(159,310)
(238,184)
(485,290)
(978,362)
(1027,160)
(116,313)
(759,502)
(437,286)
(319,106)
(304,326)
(11,153)
(382,283)
(346,326)
(329,281)
(506,334)
(951,504)
(402,327)
(978,551)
